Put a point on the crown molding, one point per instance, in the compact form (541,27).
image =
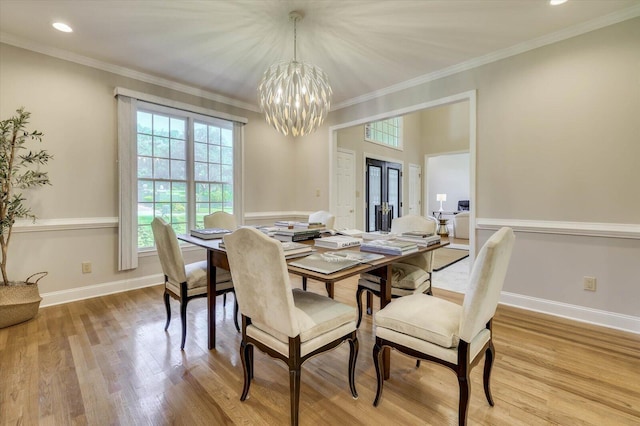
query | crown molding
(588,229)
(122,71)
(594,24)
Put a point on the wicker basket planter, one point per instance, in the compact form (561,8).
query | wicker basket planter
(19,301)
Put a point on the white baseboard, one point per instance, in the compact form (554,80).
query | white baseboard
(573,312)
(81,293)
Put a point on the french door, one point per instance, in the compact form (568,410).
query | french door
(383,194)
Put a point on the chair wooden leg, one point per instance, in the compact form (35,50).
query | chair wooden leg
(463,382)
(359,304)
(183,319)
(353,356)
(294,389)
(183,312)
(246,358)
(224,299)
(235,314)
(369,303)
(488,364)
(377,359)
(168,306)
(304,283)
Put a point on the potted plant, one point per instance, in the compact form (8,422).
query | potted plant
(19,169)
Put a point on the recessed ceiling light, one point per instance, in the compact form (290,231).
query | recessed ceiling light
(556,2)
(62,27)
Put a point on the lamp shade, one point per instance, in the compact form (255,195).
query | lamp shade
(295,97)
(441,197)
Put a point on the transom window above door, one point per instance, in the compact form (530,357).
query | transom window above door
(385,132)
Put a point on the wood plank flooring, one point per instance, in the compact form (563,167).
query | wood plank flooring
(108,361)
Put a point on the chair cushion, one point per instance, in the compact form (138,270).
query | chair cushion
(197,274)
(408,277)
(316,315)
(424,317)
(395,291)
(221,287)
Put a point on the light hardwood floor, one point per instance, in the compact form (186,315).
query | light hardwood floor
(108,361)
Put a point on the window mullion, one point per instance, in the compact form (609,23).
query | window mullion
(191,186)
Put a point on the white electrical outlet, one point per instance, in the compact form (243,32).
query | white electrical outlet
(86,267)
(589,283)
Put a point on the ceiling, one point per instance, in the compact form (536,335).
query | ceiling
(223,47)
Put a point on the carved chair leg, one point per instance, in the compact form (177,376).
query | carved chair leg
(353,356)
(183,319)
(166,304)
(359,303)
(488,364)
(369,303)
(304,283)
(235,314)
(294,389)
(245,357)
(377,359)
(463,382)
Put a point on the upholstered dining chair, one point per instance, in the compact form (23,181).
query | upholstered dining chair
(184,282)
(323,217)
(412,275)
(433,329)
(221,220)
(461,225)
(288,324)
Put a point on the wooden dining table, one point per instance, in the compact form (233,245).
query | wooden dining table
(217,258)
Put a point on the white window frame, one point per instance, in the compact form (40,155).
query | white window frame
(128,104)
(383,127)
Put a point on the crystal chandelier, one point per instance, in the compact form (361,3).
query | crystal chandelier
(295,96)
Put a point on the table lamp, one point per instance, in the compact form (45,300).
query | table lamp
(441,198)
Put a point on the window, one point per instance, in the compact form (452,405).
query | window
(185,169)
(176,161)
(386,132)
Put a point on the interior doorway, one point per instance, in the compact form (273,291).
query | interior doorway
(383,194)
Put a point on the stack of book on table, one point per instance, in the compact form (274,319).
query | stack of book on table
(349,232)
(292,249)
(285,234)
(338,242)
(292,224)
(209,233)
(420,238)
(309,225)
(378,235)
(391,247)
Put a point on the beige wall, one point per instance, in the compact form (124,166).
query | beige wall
(445,129)
(75,107)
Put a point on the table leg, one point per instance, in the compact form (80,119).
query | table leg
(329,287)
(211,299)
(385,298)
